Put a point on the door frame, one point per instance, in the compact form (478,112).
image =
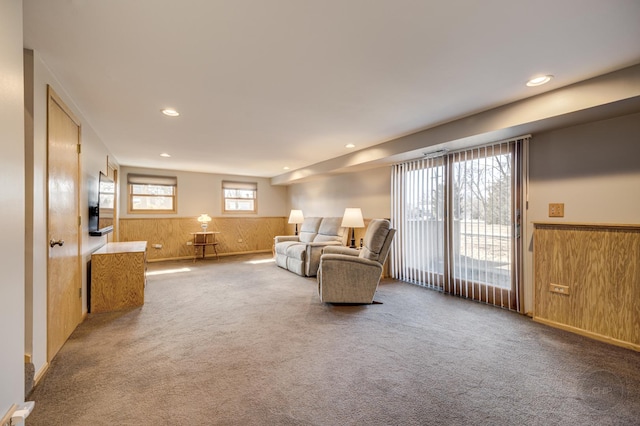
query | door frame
(112,172)
(479,291)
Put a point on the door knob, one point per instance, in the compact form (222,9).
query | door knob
(59,243)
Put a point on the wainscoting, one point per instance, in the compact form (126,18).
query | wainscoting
(237,234)
(587,280)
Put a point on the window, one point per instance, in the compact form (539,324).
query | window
(458,219)
(239,197)
(152,194)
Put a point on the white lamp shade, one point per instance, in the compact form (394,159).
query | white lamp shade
(204,218)
(352,218)
(296,216)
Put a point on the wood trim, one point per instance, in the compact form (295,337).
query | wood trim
(194,217)
(6,419)
(585,225)
(596,336)
(115,175)
(212,256)
(58,100)
(40,374)
(130,196)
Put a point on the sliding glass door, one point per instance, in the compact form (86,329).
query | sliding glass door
(419,187)
(458,217)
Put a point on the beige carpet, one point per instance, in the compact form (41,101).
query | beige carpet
(240,342)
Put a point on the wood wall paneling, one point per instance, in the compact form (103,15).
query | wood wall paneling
(601,266)
(173,234)
(237,234)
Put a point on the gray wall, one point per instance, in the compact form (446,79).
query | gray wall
(594,169)
(92,160)
(12,206)
(202,193)
(330,195)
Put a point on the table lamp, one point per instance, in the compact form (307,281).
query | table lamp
(296,217)
(352,219)
(204,220)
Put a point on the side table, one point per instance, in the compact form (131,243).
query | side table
(203,239)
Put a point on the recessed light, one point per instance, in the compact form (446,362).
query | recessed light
(285,168)
(170,112)
(164,154)
(539,81)
(349,145)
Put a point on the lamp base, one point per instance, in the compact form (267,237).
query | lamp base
(353,238)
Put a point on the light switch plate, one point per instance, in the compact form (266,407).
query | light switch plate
(556,210)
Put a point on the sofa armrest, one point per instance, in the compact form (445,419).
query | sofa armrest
(359,261)
(348,279)
(340,250)
(282,238)
(323,243)
(314,251)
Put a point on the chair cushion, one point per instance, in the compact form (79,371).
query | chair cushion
(374,238)
(330,230)
(297,251)
(309,229)
(281,248)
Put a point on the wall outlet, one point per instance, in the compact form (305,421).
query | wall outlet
(239,240)
(556,210)
(157,246)
(189,243)
(559,288)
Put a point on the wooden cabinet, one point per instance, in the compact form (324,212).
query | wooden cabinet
(118,276)
(587,280)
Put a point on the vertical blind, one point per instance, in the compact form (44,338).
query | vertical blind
(418,215)
(458,217)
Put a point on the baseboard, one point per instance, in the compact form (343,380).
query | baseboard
(590,334)
(209,256)
(39,374)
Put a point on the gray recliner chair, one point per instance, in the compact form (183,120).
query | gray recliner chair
(349,275)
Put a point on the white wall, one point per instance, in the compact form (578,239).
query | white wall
(330,195)
(92,160)
(12,210)
(594,169)
(202,193)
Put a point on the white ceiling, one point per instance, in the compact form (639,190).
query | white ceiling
(265,84)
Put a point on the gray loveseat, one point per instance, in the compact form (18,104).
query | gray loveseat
(301,253)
